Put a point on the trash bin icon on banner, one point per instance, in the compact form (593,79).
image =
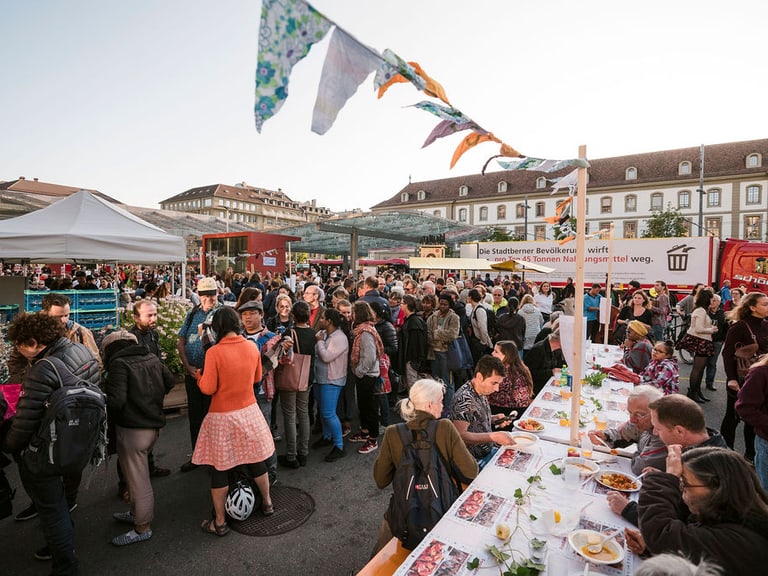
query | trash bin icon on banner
(677,257)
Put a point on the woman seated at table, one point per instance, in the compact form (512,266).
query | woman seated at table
(423,405)
(662,371)
(516,389)
(718,486)
(637,347)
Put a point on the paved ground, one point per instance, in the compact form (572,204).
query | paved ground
(336,540)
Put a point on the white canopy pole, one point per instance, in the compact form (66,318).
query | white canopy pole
(609,282)
(577,366)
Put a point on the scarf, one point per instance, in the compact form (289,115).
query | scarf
(356,332)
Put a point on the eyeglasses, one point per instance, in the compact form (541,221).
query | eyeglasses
(684,484)
(639,415)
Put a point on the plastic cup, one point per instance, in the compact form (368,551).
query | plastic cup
(601,420)
(572,477)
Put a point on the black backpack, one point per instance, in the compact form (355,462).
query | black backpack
(423,488)
(73,431)
(491,321)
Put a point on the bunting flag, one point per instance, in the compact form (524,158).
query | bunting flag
(395,70)
(347,64)
(470,141)
(287,32)
(446,128)
(444,112)
(569,181)
(542,165)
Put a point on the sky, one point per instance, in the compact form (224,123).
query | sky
(142,100)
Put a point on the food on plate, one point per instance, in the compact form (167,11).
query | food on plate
(558,517)
(573,452)
(530,425)
(618,481)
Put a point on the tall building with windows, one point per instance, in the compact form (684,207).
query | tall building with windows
(245,204)
(625,190)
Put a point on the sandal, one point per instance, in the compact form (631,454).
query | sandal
(268,509)
(210,527)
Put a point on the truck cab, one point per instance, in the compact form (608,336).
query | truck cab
(745,262)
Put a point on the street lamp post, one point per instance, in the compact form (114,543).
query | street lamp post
(701,190)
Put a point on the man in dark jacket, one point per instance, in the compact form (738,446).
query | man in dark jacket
(369,291)
(37,336)
(542,360)
(510,325)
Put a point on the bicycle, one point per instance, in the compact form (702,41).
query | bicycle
(676,328)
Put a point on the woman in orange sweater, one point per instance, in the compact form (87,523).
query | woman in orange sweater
(234,432)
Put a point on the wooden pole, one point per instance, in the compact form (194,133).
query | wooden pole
(577,366)
(608,282)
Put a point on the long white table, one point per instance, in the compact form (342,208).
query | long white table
(468,529)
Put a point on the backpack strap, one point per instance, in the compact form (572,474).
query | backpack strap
(191,315)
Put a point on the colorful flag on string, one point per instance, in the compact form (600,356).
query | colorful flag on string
(347,64)
(570,181)
(542,165)
(287,32)
(395,70)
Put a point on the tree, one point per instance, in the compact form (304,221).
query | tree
(669,223)
(496,234)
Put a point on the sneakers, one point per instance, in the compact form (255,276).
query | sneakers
(369,446)
(321,443)
(43,554)
(345,430)
(335,454)
(284,461)
(27,514)
(158,472)
(131,537)
(359,437)
(124,517)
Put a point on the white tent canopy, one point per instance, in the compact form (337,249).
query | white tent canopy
(85,227)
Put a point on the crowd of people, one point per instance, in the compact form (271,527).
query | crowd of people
(472,354)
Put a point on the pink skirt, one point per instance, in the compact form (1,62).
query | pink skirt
(228,439)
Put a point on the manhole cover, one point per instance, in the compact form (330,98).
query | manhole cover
(292,508)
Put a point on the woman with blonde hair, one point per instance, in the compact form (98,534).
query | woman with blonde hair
(421,412)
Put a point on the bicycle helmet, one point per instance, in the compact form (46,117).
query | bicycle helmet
(240,501)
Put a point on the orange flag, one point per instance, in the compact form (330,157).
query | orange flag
(470,141)
(432,88)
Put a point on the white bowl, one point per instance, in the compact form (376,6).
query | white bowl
(524,439)
(587,467)
(578,541)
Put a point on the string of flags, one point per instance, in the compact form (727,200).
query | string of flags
(214,255)
(289,29)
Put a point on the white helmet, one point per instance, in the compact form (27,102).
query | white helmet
(240,501)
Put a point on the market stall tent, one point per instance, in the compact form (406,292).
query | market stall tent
(85,227)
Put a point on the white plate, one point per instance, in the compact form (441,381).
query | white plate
(518,426)
(586,466)
(578,540)
(634,479)
(524,439)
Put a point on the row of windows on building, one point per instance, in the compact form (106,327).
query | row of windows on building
(753,225)
(226,203)
(684,199)
(631,173)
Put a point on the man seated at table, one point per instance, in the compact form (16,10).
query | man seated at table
(471,413)
(543,359)
(676,419)
(651,450)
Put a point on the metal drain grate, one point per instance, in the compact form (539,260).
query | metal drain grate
(293,507)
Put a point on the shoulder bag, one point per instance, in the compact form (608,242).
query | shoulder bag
(746,354)
(294,375)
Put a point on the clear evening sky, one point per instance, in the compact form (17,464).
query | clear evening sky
(144,99)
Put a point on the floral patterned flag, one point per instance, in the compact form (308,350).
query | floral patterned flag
(288,30)
(347,64)
(542,165)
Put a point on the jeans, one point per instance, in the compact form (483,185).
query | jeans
(47,494)
(327,400)
(295,406)
(197,407)
(383,402)
(133,446)
(761,460)
(347,401)
(712,364)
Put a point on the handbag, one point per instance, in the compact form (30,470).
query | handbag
(746,355)
(294,375)
(383,384)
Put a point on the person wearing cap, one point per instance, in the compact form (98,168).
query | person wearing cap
(252,316)
(194,337)
(637,347)
(136,383)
